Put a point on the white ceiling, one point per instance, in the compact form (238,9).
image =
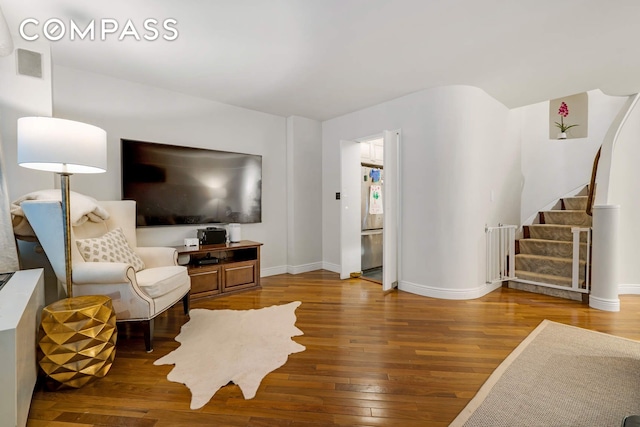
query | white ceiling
(324,58)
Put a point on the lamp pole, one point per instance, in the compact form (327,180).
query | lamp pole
(66,213)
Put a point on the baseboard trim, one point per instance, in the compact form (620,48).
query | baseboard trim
(272,271)
(329,266)
(303,268)
(297,269)
(629,289)
(604,304)
(441,293)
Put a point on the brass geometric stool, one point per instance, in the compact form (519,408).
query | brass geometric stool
(77,339)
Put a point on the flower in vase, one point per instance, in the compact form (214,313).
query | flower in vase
(563,112)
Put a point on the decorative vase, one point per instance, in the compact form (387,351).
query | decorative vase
(562,135)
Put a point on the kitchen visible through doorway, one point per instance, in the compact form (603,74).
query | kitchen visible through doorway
(371,208)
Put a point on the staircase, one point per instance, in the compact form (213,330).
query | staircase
(544,256)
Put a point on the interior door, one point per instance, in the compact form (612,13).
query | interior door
(390,207)
(349,208)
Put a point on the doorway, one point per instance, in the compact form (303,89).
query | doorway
(371,208)
(351,218)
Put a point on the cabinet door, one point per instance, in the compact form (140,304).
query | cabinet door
(205,281)
(365,152)
(239,275)
(377,152)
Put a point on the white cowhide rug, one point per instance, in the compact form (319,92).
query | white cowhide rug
(243,346)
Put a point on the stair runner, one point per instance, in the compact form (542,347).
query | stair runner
(545,254)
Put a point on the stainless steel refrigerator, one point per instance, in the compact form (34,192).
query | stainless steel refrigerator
(371,235)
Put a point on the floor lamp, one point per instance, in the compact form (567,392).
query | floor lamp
(77,335)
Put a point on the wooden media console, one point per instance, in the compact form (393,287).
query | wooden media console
(222,269)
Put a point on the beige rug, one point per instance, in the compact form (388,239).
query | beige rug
(219,346)
(560,376)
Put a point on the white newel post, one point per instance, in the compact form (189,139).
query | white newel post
(604,268)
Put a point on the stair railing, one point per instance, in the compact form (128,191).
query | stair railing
(592,183)
(576,232)
(501,253)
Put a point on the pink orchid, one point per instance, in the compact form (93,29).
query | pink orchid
(563,112)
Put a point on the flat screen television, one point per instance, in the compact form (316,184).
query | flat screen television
(184,185)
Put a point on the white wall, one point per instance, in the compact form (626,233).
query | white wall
(461,151)
(553,168)
(22,96)
(623,191)
(304,189)
(135,111)
(457,149)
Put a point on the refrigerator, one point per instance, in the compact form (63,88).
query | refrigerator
(372,218)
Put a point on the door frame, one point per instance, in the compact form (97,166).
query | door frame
(391,249)
(346,243)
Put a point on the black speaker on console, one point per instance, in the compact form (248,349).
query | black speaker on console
(212,236)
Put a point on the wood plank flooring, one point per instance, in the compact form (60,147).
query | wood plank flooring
(371,359)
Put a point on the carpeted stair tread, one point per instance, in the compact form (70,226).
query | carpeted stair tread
(553,266)
(545,278)
(555,248)
(578,203)
(552,232)
(566,217)
(548,258)
(545,253)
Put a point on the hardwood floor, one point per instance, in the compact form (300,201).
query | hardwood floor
(371,359)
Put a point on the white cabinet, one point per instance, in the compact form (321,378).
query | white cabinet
(377,151)
(21,303)
(372,152)
(365,152)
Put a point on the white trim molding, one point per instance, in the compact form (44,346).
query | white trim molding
(329,266)
(604,304)
(272,271)
(629,289)
(442,293)
(303,268)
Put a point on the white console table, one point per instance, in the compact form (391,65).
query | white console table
(21,303)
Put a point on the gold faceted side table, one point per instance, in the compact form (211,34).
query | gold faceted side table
(77,339)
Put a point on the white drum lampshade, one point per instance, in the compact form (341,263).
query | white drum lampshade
(59,145)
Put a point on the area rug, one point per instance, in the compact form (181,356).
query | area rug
(239,346)
(560,376)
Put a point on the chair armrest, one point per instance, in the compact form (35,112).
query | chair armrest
(157,256)
(102,273)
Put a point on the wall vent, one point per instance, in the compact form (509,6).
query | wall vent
(29,63)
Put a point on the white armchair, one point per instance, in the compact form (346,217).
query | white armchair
(137,295)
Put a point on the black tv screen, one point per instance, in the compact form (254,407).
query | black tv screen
(184,185)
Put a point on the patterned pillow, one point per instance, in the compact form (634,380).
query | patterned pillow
(111,247)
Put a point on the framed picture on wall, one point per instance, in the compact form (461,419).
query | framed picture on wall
(569,117)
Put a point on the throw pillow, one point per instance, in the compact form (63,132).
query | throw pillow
(111,247)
